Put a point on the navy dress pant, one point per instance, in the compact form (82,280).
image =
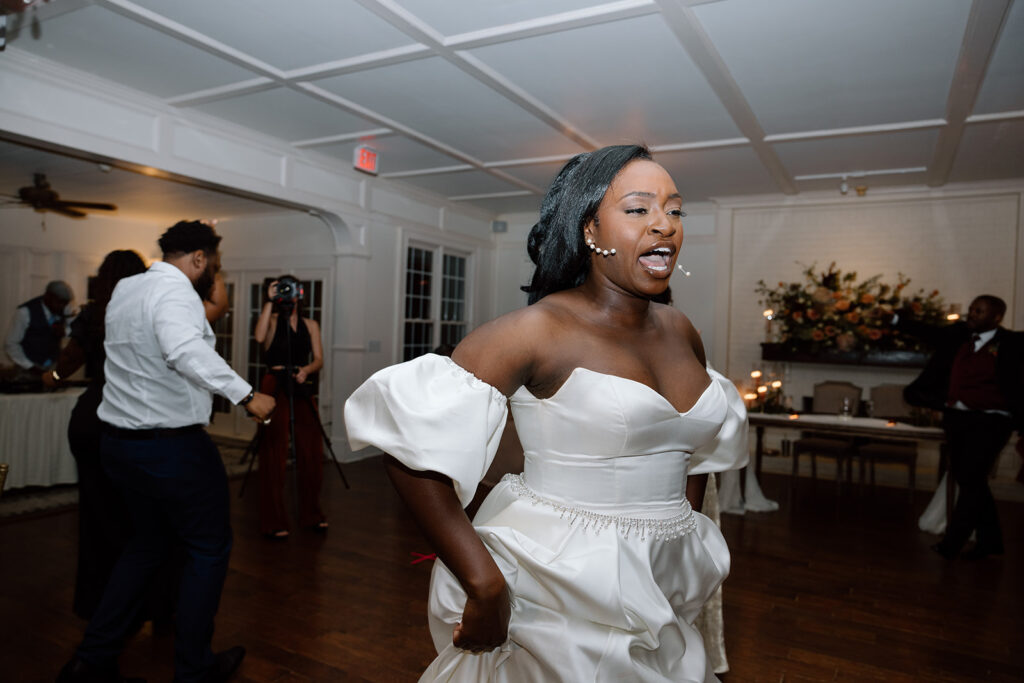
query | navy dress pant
(176,491)
(975,440)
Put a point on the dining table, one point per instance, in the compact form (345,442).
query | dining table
(845,425)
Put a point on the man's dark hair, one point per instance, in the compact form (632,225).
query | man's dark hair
(997,305)
(184,237)
(556,243)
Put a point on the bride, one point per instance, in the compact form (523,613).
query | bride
(592,564)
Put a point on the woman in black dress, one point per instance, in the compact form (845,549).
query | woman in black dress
(102,523)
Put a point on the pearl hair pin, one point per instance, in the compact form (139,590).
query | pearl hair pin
(684,271)
(598,250)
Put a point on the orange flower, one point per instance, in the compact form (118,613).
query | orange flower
(813,314)
(817,335)
(843,305)
(875,333)
(837,295)
(853,317)
(916,306)
(831,330)
(862,330)
(798,316)
(867,298)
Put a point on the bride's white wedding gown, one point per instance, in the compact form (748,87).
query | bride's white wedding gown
(607,565)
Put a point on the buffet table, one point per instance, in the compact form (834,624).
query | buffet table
(34,438)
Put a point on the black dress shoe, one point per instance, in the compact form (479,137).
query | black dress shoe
(79,671)
(947,553)
(227,663)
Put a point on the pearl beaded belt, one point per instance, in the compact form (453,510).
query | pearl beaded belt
(662,529)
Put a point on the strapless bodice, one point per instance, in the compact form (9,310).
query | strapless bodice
(603,441)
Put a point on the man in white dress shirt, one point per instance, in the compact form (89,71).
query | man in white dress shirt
(160,371)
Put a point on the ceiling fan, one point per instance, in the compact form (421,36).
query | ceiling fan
(41,197)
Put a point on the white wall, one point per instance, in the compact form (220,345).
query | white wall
(961,244)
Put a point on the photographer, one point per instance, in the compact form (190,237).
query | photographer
(289,341)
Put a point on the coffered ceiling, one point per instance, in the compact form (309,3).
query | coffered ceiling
(481,101)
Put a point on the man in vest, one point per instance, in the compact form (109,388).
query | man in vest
(976,378)
(39,325)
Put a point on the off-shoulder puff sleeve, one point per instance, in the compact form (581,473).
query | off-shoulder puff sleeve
(432,415)
(728,450)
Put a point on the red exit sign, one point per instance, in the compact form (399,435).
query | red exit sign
(365,159)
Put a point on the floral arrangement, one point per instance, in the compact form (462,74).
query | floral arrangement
(831,310)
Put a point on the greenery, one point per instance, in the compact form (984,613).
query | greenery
(830,310)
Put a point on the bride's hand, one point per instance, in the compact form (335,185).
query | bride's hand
(484,624)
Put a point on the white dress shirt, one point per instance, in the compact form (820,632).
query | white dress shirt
(161,365)
(16,332)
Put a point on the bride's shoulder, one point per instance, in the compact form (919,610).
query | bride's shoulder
(503,352)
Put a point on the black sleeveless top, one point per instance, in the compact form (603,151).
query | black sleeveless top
(301,344)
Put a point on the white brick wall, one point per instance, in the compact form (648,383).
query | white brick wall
(962,246)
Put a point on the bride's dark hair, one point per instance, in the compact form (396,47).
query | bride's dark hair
(556,244)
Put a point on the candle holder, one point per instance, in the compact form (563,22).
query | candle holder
(765,393)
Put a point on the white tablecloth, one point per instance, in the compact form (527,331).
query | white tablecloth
(34,438)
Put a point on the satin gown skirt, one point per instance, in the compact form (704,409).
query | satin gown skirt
(588,604)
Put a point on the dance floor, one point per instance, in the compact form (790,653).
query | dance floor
(828,588)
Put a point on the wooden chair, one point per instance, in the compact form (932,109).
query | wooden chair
(828,399)
(889,404)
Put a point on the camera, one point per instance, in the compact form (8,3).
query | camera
(289,290)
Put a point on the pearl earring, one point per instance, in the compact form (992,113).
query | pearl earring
(598,250)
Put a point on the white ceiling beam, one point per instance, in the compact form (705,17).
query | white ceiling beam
(191,37)
(688,30)
(412,26)
(984,25)
(706,144)
(856,130)
(997,116)
(862,174)
(435,170)
(487,195)
(345,137)
(554,23)
(223,92)
(562,158)
(370,60)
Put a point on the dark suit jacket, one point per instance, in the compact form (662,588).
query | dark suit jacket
(931,388)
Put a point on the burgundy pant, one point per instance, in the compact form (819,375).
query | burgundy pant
(273,454)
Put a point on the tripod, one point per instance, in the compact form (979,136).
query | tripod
(252,449)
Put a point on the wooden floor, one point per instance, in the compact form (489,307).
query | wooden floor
(826,589)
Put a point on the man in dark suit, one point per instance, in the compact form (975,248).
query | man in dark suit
(976,378)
